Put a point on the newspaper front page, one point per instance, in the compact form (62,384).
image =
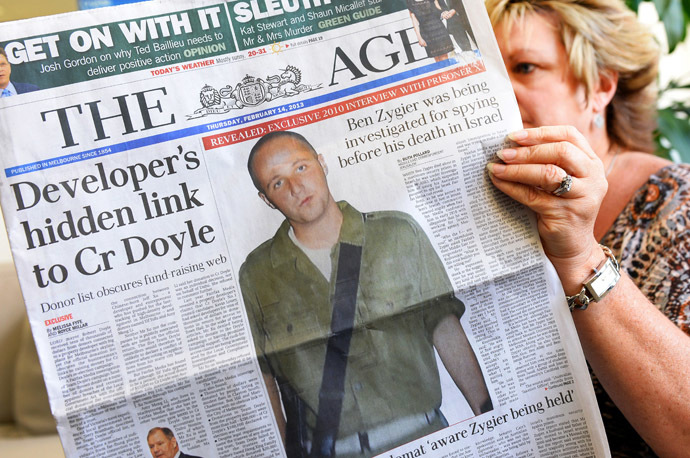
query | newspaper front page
(356,287)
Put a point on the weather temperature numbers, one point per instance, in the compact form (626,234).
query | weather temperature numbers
(257,52)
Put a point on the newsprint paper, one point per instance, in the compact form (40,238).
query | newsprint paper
(366,284)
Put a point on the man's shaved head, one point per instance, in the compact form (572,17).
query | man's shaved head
(266,140)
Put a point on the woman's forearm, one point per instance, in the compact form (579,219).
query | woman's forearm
(643,361)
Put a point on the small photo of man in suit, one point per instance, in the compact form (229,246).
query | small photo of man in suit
(458,24)
(7,87)
(163,444)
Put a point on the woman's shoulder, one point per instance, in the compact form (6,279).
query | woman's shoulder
(632,172)
(655,191)
(653,179)
(634,180)
(650,238)
(639,167)
(654,171)
(629,174)
(677,171)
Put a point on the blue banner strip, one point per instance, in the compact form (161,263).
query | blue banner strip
(224,124)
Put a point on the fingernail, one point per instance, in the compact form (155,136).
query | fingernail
(507,154)
(518,135)
(495,168)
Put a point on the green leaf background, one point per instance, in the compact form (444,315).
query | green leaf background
(673,131)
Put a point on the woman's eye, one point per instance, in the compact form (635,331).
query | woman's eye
(301,168)
(524,68)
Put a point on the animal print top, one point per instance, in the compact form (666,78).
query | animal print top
(651,238)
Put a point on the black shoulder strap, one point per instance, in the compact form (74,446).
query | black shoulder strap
(296,435)
(337,349)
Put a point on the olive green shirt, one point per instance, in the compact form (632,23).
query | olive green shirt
(403,293)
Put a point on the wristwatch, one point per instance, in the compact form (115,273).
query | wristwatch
(598,285)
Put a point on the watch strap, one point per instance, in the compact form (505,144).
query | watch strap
(597,285)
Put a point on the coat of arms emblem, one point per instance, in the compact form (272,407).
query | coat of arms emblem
(252,91)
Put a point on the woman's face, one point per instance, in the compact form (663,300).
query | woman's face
(546,90)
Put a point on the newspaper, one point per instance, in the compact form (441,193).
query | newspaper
(169,294)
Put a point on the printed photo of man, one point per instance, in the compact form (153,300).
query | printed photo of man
(458,24)
(163,444)
(7,87)
(346,309)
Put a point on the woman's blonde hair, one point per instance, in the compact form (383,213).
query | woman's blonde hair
(603,36)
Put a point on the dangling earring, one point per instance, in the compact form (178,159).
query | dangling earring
(598,120)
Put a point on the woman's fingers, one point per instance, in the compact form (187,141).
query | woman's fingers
(549,159)
(546,177)
(541,201)
(552,134)
(543,159)
(526,195)
(553,170)
(564,155)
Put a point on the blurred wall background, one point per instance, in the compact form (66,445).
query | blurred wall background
(11,10)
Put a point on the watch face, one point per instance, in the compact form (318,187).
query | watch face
(603,281)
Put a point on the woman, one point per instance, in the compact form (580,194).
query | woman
(589,64)
(431,33)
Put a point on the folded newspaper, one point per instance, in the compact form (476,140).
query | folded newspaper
(264,228)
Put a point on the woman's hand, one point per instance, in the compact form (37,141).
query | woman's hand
(448,14)
(533,170)
(638,354)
